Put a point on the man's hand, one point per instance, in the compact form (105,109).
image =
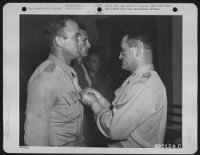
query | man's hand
(91,96)
(88,97)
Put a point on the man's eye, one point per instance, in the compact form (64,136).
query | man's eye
(85,40)
(77,35)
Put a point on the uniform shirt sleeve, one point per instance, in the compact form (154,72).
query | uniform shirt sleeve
(134,108)
(41,97)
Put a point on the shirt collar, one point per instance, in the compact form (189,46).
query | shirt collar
(66,68)
(139,72)
(144,69)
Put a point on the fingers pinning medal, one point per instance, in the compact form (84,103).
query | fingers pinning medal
(88,97)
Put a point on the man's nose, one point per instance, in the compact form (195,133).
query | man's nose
(120,55)
(88,44)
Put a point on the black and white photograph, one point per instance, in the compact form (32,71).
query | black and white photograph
(101,81)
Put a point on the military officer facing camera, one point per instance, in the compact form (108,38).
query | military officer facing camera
(138,116)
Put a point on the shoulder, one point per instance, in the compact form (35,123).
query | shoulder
(50,68)
(155,83)
(144,79)
(140,84)
(42,83)
(137,90)
(150,83)
(52,71)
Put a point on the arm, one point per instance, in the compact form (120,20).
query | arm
(118,123)
(93,98)
(41,97)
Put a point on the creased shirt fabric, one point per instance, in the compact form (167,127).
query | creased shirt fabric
(52,118)
(138,117)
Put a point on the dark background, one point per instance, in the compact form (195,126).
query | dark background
(105,33)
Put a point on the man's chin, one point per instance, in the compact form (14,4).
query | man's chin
(123,67)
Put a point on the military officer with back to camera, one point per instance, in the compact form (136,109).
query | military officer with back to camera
(53,116)
(138,116)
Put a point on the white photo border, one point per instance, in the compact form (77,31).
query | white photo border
(11,19)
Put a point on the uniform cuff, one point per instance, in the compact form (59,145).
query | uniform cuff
(97,108)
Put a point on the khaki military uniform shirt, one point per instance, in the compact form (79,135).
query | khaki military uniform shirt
(138,117)
(52,118)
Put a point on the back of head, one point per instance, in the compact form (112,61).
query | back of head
(82,27)
(144,40)
(142,34)
(145,37)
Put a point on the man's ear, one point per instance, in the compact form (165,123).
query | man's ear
(59,41)
(139,48)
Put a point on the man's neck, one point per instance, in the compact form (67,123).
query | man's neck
(60,55)
(145,66)
(143,62)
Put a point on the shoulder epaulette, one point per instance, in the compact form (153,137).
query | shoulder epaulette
(50,68)
(146,75)
(143,79)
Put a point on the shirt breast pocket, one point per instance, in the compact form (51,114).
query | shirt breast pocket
(72,108)
(65,111)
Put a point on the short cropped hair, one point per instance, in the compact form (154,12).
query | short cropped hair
(145,37)
(55,26)
(82,26)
